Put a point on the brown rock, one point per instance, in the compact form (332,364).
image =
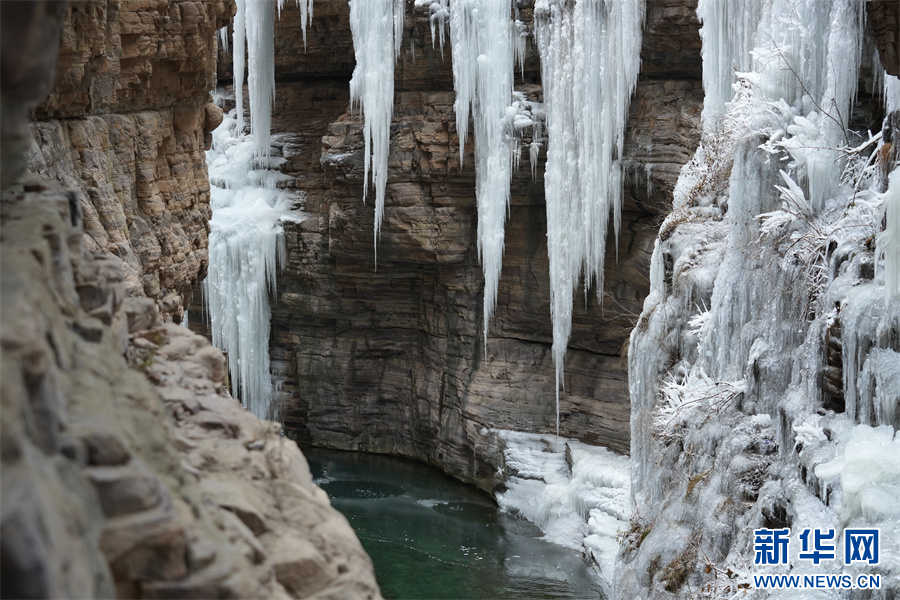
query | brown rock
(125,489)
(884,19)
(126,124)
(105,448)
(100,497)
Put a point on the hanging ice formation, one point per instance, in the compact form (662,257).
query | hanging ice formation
(245,240)
(377,28)
(590,57)
(239,49)
(729,34)
(245,247)
(483,50)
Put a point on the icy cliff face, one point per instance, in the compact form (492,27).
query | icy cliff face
(764,368)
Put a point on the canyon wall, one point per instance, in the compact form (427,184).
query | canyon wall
(392,359)
(127,469)
(126,125)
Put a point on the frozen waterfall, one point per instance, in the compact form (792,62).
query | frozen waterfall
(246,245)
(482,39)
(590,56)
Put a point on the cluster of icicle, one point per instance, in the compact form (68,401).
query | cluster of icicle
(245,240)
(254,32)
(590,57)
(589,53)
(377,28)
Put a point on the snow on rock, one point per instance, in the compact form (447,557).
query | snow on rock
(765,368)
(576,493)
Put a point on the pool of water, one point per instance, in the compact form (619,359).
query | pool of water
(432,537)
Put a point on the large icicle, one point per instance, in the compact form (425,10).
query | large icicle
(590,56)
(239,38)
(728,32)
(260,23)
(483,48)
(377,28)
(245,246)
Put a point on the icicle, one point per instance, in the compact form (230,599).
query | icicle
(520,37)
(891,93)
(260,23)
(306,15)
(889,240)
(590,54)
(728,33)
(223,39)
(439,13)
(239,56)
(377,28)
(483,66)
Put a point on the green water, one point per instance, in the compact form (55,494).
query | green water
(431,537)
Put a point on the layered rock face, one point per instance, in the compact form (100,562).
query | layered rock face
(138,478)
(127,470)
(884,19)
(125,125)
(392,360)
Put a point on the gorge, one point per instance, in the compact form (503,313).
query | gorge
(734,343)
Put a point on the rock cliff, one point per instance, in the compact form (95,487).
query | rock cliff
(138,478)
(392,360)
(127,469)
(125,124)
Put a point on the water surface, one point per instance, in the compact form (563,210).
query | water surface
(432,537)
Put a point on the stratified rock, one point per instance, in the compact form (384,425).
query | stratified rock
(884,19)
(126,124)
